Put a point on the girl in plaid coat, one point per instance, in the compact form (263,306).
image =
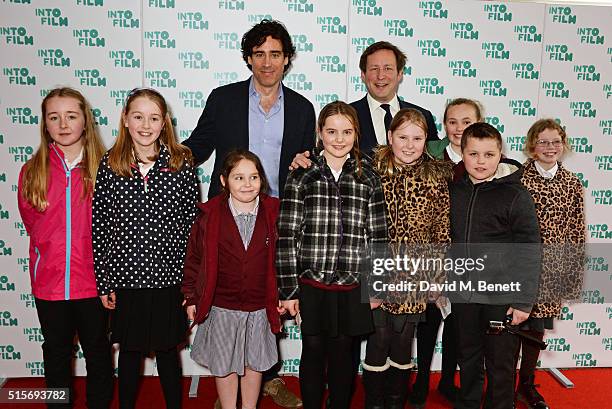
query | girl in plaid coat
(331,214)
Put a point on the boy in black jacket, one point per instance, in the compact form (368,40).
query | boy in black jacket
(492,219)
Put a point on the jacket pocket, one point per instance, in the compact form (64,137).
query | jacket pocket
(37,261)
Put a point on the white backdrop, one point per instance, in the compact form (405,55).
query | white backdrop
(522,61)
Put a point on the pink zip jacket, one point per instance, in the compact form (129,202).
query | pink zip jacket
(61,255)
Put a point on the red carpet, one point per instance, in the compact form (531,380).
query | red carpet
(592,390)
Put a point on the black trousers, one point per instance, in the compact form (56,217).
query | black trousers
(477,349)
(427,334)
(60,321)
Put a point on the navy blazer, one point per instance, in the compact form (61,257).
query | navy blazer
(368,141)
(224,126)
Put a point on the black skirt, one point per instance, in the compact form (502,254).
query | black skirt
(334,313)
(149,319)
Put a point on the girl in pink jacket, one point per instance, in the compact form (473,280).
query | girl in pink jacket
(55,193)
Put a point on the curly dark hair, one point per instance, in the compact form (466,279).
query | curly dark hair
(258,34)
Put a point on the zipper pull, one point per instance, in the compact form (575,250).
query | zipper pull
(67,178)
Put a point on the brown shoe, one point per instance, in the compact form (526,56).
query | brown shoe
(277,390)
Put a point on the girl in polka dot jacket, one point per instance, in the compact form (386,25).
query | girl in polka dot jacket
(143,208)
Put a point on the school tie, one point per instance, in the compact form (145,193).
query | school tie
(388,117)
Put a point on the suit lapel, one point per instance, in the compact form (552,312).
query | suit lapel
(290,143)
(241,105)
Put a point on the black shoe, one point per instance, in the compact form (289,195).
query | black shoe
(418,395)
(373,387)
(449,391)
(528,393)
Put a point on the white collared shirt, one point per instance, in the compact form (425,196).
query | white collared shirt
(454,156)
(546,174)
(378,117)
(236,212)
(144,168)
(75,161)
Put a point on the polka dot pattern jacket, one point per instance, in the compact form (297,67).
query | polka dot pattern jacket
(141,225)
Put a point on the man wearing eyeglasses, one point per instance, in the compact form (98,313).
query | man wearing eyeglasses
(262,115)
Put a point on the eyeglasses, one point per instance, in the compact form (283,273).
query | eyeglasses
(543,144)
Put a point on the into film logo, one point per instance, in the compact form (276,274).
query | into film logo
(583,109)
(19,76)
(330,63)
(588,328)
(433,9)
(54,57)
(291,366)
(227,41)
(367,7)
(528,34)
(606,126)
(192,99)
(602,196)
(464,31)
(462,68)
(522,107)
(600,231)
(429,85)
(493,88)
(566,314)
(562,15)
(7,320)
(297,82)
(5,283)
(558,52)
(299,6)
(301,43)
(496,122)
(16,36)
(590,35)
(21,154)
(555,89)
(398,28)
(324,99)
(161,4)
(123,19)
(22,115)
(51,17)
(190,20)
(331,25)
(160,79)
(194,60)
(33,334)
(159,39)
(515,143)
(431,48)
(597,264)
(587,73)
(498,12)
(94,3)
(226,77)
(8,352)
(89,37)
(124,58)
(90,77)
(232,5)
(496,51)
(361,43)
(525,71)
(558,345)
(583,179)
(292,331)
(580,144)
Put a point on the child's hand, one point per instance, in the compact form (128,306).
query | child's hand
(281,310)
(301,161)
(108,301)
(518,316)
(374,304)
(191,311)
(292,306)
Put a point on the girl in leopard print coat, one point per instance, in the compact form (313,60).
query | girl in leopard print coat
(415,187)
(558,197)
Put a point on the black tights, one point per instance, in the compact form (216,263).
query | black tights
(335,353)
(169,371)
(530,355)
(386,342)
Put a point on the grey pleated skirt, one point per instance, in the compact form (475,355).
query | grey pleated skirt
(229,340)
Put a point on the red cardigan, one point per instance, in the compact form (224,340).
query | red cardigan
(201,262)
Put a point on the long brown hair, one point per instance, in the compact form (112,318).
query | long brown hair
(384,160)
(344,109)
(36,173)
(121,155)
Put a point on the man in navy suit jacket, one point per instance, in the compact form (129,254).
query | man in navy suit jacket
(382,69)
(259,114)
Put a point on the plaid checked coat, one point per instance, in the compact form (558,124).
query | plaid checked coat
(326,228)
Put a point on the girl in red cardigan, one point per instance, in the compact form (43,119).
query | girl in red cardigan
(229,281)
